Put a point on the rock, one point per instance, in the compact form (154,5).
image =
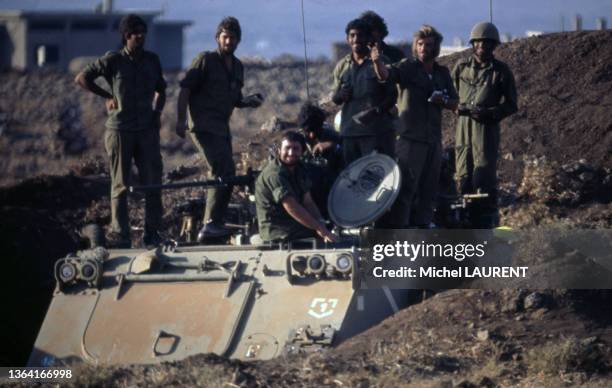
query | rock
(274,125)
(482,335)
(534,301)
(513,301)
(291,99)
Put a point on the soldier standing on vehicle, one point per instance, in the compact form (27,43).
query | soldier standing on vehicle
(211,89)
(285,208)
(134,104)
(425,89)
(366,123)
(487,94)
(379,33)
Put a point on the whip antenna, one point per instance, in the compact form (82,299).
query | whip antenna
(305,55)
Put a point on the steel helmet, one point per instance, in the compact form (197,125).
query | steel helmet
(484,30)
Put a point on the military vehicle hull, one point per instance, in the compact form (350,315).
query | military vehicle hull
(245,302)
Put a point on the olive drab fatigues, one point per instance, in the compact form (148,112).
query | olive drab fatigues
(378,134)
(323,169)
(419,144)
(214,92)
(131,132)
(274,183)
(490,87)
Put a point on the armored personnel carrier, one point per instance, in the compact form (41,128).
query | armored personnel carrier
(240,301)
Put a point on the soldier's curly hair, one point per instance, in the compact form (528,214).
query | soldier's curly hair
(230,24)
(311,117)
(376,22)
(360,25)
(129,24)
(293,136)
(427,31)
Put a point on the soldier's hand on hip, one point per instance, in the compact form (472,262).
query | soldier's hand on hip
(111,104)
(180,129)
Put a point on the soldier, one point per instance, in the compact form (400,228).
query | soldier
(379,33)
(285,208)
(487,94)
(320,141)
(211,89)
(323,154)
(366,123)
(134,104)
(425,89)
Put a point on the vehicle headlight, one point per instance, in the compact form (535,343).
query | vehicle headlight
(316,264)
(344,263)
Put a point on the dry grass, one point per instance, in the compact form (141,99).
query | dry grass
(571,355)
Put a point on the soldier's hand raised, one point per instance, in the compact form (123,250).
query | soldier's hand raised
(375,52)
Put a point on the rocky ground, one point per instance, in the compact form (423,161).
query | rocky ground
(555,170)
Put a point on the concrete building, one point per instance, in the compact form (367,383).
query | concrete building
(33,39)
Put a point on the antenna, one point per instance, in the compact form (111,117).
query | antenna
(491,11)
(305,54)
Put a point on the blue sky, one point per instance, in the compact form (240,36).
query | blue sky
(272,27)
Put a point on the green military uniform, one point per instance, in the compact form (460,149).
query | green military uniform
(419,145)
(214,92)
(361,139)
(131,131)
(274,183)
(322,175)
(490,87)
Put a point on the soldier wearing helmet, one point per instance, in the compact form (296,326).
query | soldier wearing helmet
(487,95)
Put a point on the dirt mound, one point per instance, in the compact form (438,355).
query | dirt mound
(40,222)
(563,82)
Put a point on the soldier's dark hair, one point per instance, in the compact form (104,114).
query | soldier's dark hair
(292,136)
(360,25)
(229,24)
(311,117)
(129,24)
(376,22)
(427,31)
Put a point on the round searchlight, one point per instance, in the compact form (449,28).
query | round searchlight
(67,272)
(344,263)
(316,264)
